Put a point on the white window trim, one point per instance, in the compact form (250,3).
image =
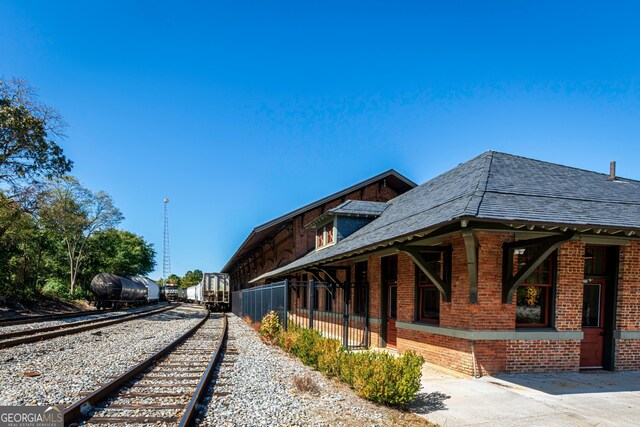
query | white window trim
(324,234)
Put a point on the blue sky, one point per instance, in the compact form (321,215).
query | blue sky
(242,111)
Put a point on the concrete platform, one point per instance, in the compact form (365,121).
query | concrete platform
(589,398)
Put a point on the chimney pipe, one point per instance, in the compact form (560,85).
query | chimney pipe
(612,171)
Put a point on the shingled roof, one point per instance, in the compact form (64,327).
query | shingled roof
(499,187)
(357,208)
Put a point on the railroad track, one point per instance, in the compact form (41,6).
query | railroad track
(47,317)
(164,388)
(13,339)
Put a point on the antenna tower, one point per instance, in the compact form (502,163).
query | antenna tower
(166,260)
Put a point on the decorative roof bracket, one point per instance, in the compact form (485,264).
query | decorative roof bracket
(511,282)
(443,286)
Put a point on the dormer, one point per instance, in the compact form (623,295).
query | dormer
(344,220)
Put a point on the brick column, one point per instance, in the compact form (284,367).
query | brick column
(570,286)
(374,277)
(406,288)
(628,307)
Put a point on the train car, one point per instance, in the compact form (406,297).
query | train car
(191,293)
(194,294)
(215,291)
(111,291)
(181,294)
(153,290)
(170,292)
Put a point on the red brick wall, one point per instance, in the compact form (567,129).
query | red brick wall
(489,313)
(542,355)
(457,315)
(628,310)
(406,288)
(627,355)
(453,353)
(570,286)
(374,276)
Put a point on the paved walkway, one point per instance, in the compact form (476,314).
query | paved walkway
(590,398)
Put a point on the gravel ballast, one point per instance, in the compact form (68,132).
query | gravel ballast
(57,370)
(255,387)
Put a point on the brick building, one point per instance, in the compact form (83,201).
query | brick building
(285,239)
(503,264)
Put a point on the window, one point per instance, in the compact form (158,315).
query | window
(595,261)
(533,297)
(324,235)
(428,294)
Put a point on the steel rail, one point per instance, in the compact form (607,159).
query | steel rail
(47,317)
(83,406)
(93,325)
(190,412)
(72,325)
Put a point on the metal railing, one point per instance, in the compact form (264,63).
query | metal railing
(258,301)
(335,311)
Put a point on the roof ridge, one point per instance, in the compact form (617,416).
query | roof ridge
(618,178)
(484,176)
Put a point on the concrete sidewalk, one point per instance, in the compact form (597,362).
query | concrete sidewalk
(590,398)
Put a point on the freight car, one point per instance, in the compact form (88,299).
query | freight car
(153,290)
(111,291)
(212,291)
(170,292)
(215,291)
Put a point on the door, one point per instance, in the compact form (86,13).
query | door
(592,324)
(392,314)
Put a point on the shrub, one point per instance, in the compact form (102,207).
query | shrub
(307,347)
(380,377)
(270,327)
(55,288)
(329,357)
(82,293)
(387,379)
(287,340)
(305,383)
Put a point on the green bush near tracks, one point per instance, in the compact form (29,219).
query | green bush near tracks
(380,377)
(55,288)
(270,328)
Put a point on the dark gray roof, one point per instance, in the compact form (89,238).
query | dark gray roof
(361,208)
(495,186)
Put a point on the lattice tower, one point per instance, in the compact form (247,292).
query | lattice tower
(166,259)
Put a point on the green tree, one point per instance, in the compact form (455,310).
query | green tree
(174,279)
(29,150)
(119,252)
(29,135)
(22,248)
(191,278)
(73,213)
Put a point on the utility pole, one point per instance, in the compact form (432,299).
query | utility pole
(166,260)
